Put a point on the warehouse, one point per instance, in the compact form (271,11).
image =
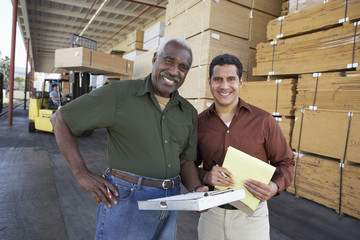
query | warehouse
(300,64)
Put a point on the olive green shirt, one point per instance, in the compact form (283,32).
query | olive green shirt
(142,139)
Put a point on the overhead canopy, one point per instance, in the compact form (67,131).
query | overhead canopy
(50,23)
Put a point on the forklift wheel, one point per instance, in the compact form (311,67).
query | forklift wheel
(31,127)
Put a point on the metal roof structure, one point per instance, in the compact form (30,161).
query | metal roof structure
(49,24)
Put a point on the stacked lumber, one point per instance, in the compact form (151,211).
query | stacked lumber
(276,97)
(333,49)
(350,191)
(317,178)
(334,90)
(320,45)
(313,19)
(218,27)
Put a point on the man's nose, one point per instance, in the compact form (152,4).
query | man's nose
(174,70)
(224,84)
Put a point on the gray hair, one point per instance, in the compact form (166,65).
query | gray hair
(180,41)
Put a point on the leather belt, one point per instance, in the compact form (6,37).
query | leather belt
(164,184)
(228,207)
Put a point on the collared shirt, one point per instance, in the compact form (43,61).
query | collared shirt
(253,131)
(142,139)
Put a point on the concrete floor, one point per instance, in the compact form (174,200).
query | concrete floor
(40,199)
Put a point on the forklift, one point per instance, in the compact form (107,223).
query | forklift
(41,108)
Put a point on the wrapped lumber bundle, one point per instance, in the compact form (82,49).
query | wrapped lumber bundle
(276,96)
(350,190)
(328,133)
(320,17)
(317,178)
(300,5)
(329,50)
(334,90)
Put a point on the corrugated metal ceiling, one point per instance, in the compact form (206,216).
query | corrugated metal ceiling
(50,23)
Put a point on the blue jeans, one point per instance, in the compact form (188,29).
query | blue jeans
(126,221)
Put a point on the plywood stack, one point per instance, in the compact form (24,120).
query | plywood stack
(217,27)
(314,40)
(277,96)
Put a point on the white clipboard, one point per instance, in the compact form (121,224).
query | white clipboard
(197,201)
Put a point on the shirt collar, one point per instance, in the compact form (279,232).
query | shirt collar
(148,88)
(241,104)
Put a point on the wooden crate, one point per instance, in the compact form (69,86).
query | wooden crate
(318,179)
(211,43)
(252,64)
(319,17)
(330,50)
(335,91)
(222,16)
(276,96)
(323,132)
(350,196)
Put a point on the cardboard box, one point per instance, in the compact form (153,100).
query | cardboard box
(212,43)
(153,43)
(156,30)
(201,104)
(72,57)
(196,84)
(136,36)
(132,54)
(143,64)
(95,62)
(135,46)
(222,16)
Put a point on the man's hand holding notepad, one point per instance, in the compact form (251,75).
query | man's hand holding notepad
(244,167)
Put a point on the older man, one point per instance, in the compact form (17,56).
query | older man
(152,138)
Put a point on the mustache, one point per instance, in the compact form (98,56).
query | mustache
(169,76)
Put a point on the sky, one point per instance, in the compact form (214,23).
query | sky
(5,35)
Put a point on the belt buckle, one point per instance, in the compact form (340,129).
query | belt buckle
(164,184)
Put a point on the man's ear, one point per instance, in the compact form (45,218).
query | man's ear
(241,81)
(154,58)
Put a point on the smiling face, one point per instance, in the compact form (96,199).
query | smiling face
(170,68)
(225,85)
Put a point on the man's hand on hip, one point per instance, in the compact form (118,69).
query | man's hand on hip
(98,187)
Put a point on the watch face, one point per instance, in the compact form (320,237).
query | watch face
(278,192)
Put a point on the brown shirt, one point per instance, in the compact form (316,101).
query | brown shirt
(253,131)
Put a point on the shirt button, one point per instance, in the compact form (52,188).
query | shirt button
(163,117)
(166,141)
(228,131)
(169,165)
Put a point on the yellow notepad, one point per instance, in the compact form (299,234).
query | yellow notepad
(244,167)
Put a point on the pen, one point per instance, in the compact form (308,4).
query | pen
(222,173)
(108,190)
(109,193)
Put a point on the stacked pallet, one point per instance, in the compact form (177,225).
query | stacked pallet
(217,27)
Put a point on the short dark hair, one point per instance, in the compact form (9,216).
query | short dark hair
(54,85)
(226,59)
